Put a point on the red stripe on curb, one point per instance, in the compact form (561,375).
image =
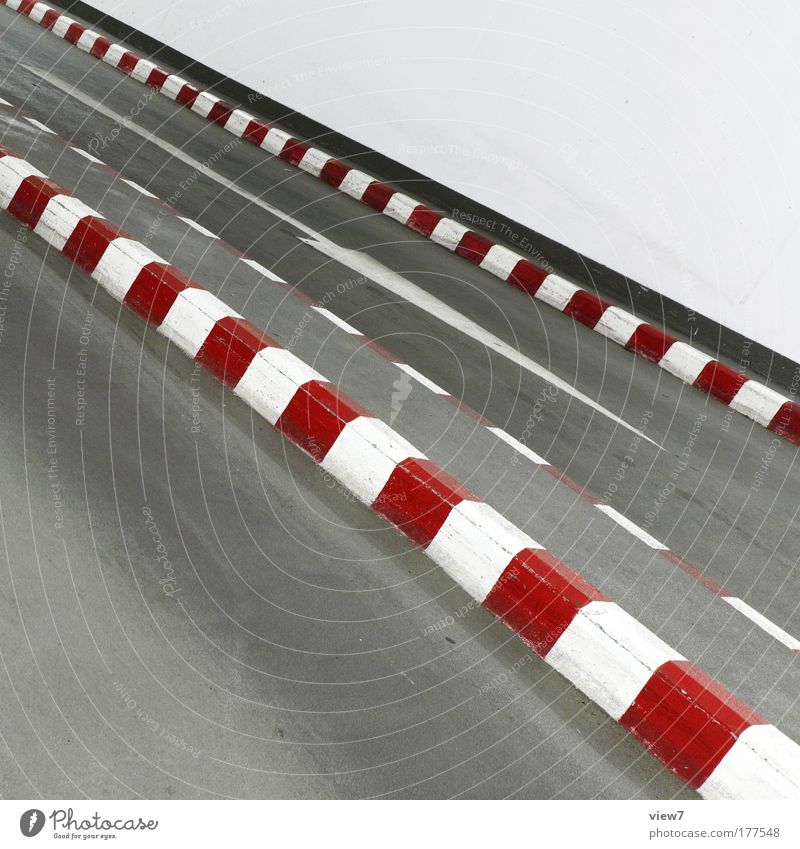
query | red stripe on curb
(377,195)
(786,422)
(316,415)
(26,6)
(293,151)
(650,342)
(255,132)
(334,171)
(720,381)
(127,62)
(73,34)
(687,720)
(49,18)
(156,78)
(100,47)
(423,220)
(586,307)
(537,596)
(187,95)
(418,497)
(220,112)
(154,291)
(31,198)
(88,241)
(230,347)
(527,276)
(473,247)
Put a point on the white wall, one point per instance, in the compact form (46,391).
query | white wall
(661,139)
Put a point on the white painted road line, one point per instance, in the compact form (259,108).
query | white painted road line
(632,528)
(759,619)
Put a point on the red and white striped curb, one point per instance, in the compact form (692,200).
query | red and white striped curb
(695,727)
(739,604)
(749,397)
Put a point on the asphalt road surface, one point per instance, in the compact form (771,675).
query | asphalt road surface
(284,641)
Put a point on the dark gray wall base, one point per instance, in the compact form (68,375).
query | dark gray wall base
(742,353)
